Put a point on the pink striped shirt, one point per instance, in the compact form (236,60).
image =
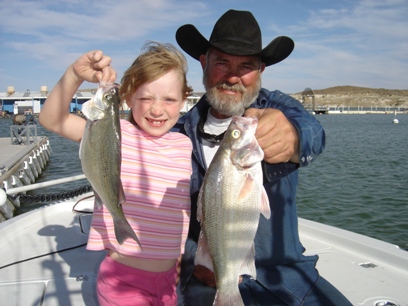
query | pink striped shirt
(155,175)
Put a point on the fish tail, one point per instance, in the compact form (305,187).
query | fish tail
(232,299)
(123,231)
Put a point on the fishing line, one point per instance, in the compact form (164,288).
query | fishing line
(39,256)
(82,211)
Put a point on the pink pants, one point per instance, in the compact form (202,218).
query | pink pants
(122,285)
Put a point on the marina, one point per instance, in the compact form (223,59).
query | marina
(23,157)
(14,102)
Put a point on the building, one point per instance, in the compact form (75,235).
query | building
(12,102)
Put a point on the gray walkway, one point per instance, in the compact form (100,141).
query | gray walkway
(11,154)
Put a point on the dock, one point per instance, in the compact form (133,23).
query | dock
(23,157)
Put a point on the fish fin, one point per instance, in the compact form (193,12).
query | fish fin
(98,200)
(203,256)
(200,205)
(88,123)
(265,208)
(246,189)
(233,298)
(122,196)
(123,231)
(248,265)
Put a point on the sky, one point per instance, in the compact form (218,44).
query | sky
(337,42)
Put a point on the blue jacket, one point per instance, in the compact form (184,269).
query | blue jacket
(279,254)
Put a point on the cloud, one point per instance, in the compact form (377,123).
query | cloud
(355,45)
(346,42)
(68,25)
(90,20)
(54,33)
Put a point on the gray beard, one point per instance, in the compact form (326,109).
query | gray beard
(226,104)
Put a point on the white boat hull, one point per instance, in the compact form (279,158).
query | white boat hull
(53,267)
(44,261)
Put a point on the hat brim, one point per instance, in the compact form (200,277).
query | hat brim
(195,44)
(191,41)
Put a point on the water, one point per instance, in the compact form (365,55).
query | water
(64,162)
(359,182)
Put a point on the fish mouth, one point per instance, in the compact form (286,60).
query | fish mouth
(156,123)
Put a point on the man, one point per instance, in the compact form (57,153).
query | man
(233,61)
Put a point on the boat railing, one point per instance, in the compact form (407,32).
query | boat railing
(18,195)
(20,189)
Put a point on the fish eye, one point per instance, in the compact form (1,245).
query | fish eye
(235,134)
(110,94)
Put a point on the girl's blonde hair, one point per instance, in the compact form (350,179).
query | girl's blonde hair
(155,60)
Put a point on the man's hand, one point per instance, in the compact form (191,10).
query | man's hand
(277,137)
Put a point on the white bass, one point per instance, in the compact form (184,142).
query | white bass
(230,202)
(100,154)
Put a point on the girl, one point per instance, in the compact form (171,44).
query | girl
(155,172)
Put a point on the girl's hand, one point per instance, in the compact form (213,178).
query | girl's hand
(94,67)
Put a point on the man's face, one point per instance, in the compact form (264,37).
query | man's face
(232,82)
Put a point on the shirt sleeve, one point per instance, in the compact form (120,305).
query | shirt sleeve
(311,133)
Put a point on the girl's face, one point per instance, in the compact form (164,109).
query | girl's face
(156,105)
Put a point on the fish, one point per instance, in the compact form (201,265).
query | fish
(100,154)
(230,202)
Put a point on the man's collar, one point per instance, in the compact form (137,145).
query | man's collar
(208,137)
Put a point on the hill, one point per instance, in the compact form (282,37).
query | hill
(356,96)
(352,96)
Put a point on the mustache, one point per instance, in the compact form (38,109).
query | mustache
(236,87)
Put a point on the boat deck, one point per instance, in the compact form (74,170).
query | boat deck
(44,261)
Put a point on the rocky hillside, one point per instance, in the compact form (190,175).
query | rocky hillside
(349,96)
(356,96)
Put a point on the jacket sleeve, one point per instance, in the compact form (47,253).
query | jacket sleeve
(311,133)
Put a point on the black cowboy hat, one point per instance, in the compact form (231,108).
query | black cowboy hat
(235,33)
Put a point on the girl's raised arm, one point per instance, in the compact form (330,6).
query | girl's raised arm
(94,67)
